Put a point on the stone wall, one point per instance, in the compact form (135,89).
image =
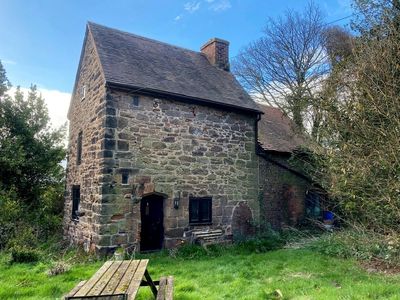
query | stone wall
(282,193)
(87,116)
(173,148)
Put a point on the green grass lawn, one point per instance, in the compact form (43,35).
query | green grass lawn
(298,274)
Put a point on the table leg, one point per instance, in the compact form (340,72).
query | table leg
(151,283)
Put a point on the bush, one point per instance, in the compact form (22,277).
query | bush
(361,245)
(25,236)
(10,212)
(24,255)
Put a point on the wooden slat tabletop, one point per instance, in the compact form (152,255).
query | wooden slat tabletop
(113,278)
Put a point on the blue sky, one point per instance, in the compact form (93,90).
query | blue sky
(40,41)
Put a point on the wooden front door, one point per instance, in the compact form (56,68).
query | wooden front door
(152,216)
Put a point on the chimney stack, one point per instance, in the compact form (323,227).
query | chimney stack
(217,53)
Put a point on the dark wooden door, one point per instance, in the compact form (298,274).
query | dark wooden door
(152,216)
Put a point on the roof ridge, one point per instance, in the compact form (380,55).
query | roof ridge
(142,37)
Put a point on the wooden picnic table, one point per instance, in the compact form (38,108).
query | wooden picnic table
(117,280)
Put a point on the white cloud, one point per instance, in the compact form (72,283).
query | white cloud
(179,17)
(220,5)
(57,104)
(191,7)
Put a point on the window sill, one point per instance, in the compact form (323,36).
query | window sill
(200,224)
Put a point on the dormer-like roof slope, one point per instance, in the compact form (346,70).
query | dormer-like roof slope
(152,66)
(275,131)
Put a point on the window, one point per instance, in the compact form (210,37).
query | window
(200,210)
(76,198)
(79,149)
(124,177)
(135,101)
(83,92)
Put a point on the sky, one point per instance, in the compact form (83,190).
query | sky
(41,40)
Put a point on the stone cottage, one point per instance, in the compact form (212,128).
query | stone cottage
(163,141)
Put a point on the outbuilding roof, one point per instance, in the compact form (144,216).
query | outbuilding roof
(276,131)
(151,66)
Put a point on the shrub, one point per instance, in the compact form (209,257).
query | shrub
(361,245)
(10,212)
(24,255)
(25,236)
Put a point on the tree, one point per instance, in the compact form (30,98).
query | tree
(361,105)
(4,83)
(30,156)
(284,68)
(339,44)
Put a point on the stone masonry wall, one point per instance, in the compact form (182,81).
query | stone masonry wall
(87,116)
(169,147)
(282,193)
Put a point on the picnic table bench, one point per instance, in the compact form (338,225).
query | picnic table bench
(121,280)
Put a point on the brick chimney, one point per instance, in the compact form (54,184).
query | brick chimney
(217,53)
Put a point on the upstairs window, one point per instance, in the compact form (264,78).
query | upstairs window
(83,92)
(79,149)
(135,101)
(200,210)
(76,199)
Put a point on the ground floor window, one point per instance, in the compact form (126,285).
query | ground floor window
(200,210)
(76,198)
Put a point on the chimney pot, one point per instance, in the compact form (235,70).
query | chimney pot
(217,52)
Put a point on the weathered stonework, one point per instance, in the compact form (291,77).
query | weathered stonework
(87,116)
(170,148)
(282,193)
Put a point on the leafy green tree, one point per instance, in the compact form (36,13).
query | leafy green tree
(30,154)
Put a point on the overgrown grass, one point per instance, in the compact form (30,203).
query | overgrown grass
(219,273)
(361,244)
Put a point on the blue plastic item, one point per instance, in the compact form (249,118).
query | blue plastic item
(328,215)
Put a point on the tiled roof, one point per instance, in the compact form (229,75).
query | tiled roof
(275,131)
(150,65)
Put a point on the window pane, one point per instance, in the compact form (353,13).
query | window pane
(76,197)
(79,149)
(135,101)
(125,177)
(205,210)
(200,210)
(193,210)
